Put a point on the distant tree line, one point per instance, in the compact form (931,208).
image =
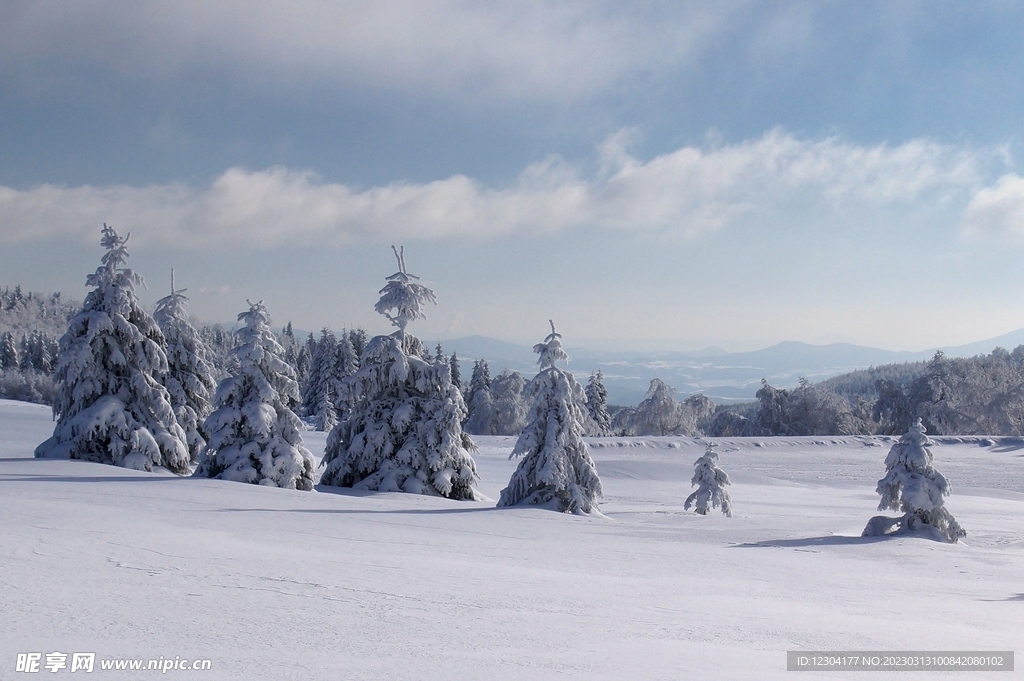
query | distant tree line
(952,396)
(981,395)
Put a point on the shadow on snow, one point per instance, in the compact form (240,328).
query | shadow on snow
(829,540)
(358,511)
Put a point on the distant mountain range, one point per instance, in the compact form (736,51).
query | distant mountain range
(721,375)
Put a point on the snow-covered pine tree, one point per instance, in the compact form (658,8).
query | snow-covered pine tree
(306,351)
(358,339)
(291,355)
(321,371)
(816,410)
(480,403)
(288,340)
(301,365)
(402,430)
(892,409)
(938,395)
(346,361)
(110,407)
(695,413)
(326,416)
(597,404)
(9,357)
(710,481)
(333,359)
(509,404)
(658,413)
(39,352)
(913,486)
(219,344)
(189,377)
(254,436)
(453,364)
(556,470)
(772,416)
(25,353)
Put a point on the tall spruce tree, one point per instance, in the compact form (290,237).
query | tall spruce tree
(346,363)
(254,436)
(453,363)
(556,470)
(402,430)
(326,416)
(111,407)
(508,403)
(9,356)
(358,339)
(321,371)
(189,376)
(480,403)
(597,404)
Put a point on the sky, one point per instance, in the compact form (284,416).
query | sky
(662,175)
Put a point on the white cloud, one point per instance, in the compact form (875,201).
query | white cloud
(998,210)
(682,194)
(513,48)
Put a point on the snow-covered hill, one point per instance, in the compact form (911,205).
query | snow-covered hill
(276,584)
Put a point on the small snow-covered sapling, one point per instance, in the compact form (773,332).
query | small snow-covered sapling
(913,486)
(710,481)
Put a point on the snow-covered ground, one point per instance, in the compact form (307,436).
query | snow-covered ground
(276,584)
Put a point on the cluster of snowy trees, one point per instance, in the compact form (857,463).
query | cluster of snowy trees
(35,351)
(979,395)
(322,365)
(111,406)
(660,414)
(402,426)
(30,326)
(500,405)
(497,406)
(982,395)
(134,390)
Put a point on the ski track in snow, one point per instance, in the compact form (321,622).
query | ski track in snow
(279,584)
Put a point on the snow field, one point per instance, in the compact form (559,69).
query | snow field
(280,584)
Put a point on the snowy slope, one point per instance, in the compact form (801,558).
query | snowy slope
(277,584)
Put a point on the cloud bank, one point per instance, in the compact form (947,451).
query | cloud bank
(682,195)
(506,48)
(998,211)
